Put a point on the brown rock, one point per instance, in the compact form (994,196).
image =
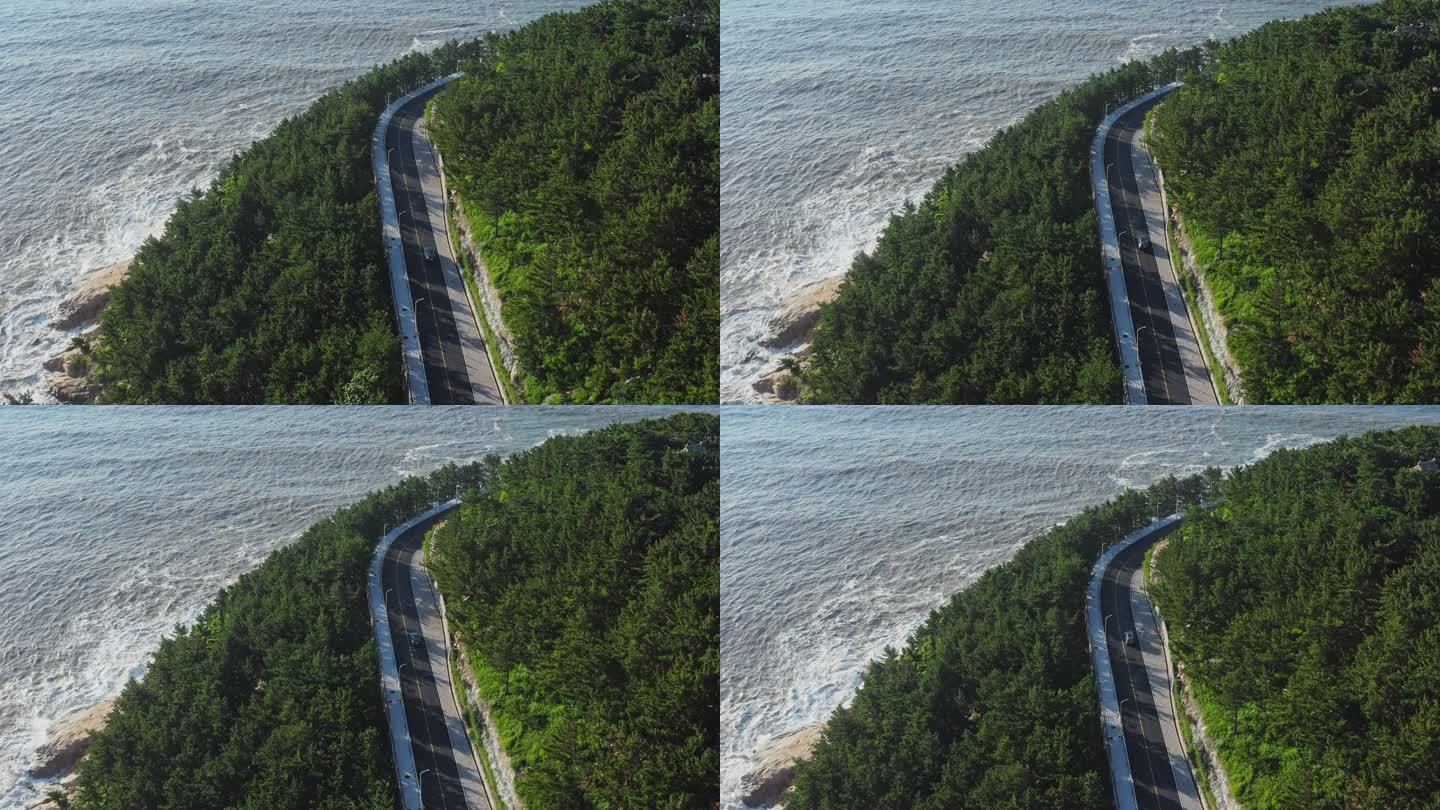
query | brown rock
(71,362)
(779,384)
(772,777)
(89,297)
(69,739)
(797,319)
(65,360)
(57,363)
(65,787)
(77,364)
(74,390)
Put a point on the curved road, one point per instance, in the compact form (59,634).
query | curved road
(457,366)
(1171,361)
(1159,769)
(444,762)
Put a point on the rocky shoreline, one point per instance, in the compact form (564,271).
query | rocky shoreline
(68,741)
(70,379)
(775,771)
(793,326)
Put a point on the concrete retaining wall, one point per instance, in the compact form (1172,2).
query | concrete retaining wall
(489,294)
(469,697)
(415,382)
(1120,319)
(402,753)
(1214,324)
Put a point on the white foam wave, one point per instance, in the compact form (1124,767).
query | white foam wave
(828,228)
(1287,441)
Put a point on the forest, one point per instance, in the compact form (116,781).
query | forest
(1306,613)
(990,290)
(584,586)
(992,702)
(585,147)
(598,555)
(270,286)
(271,699)
(1306,168)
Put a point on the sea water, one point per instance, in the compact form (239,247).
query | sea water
(835,112)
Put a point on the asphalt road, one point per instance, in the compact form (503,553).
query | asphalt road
(453,378)
(435,757)
(1170,359)
(1158,765)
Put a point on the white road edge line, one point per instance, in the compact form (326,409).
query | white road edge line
(1134,696)
(1172,285)
(1125,195)
(474,353)
(430,600)
(1148,620)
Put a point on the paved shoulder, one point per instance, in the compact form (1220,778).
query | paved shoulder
(479,371)
(437,647)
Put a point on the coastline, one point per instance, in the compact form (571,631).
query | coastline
(774,772)
(790,330)
(54,772)
(68,375)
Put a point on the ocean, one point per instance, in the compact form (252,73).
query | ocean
(843,527)
(120,523)
(835,112)
(114,111)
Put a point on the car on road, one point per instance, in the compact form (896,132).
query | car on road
(1130,639)
(417,641)
(429,254)
(1143,243)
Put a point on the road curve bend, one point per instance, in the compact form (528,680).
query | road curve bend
(446,361)
(1159,343)
(435,764)
(1149,768)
